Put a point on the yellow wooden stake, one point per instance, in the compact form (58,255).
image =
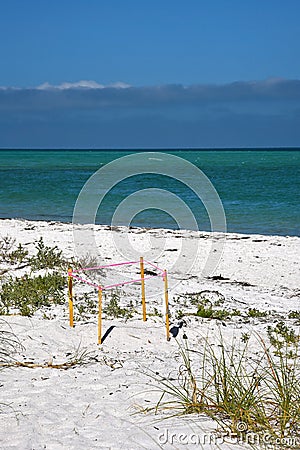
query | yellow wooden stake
(165,277)
(99,315)
(70,295)
(143,288)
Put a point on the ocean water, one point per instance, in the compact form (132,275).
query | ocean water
(259,189)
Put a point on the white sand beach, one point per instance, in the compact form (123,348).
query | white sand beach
(100,403)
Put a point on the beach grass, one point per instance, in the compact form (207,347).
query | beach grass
(244,392)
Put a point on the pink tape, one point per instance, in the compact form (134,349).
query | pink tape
(111,285)
(153,265)
(127,282)
(107,265)
(84,281)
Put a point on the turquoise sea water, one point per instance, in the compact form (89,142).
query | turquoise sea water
(259,189)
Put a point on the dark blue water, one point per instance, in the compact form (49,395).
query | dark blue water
(259,189)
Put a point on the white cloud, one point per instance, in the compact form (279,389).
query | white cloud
(82,84)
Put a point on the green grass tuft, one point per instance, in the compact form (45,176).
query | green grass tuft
(242,392)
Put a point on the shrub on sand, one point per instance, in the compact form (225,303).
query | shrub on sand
(27,294)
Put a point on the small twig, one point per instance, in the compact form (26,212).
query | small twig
(31,365)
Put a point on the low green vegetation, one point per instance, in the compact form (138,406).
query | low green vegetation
(44,282)
(85,306)
(256,313)
(283,338)
(47,257)
(295,315)
(207,308)
(11,253)
(112,306)
(27,293)
(211,313)
(155,313)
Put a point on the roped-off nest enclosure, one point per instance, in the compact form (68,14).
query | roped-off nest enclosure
(73,275)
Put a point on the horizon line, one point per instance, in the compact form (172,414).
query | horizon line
(152,149)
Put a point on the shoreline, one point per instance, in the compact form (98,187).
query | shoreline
(106,226)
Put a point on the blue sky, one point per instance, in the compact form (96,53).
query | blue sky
(216,73)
